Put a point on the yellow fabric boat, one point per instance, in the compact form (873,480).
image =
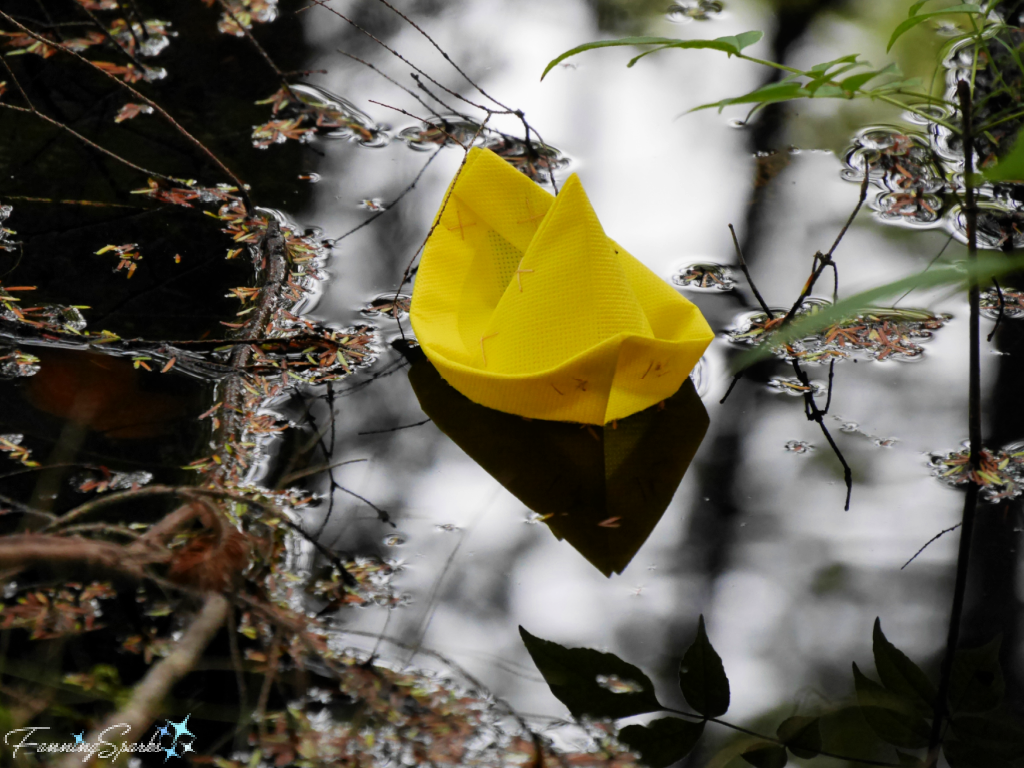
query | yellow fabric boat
(524,305)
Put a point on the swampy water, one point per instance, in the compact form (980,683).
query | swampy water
(453,518)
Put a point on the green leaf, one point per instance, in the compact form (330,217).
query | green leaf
(909,760)
(854,82)
(890,715)
(731,45)
(801,735)
(773,92)
(766,755)
(986,267)
(976,682)
(916,19)
(572,674)
(961,755)
(917,6)
(827,65)
(702,677)
(997,734)
(1011,166)
(900,675)
(662,742)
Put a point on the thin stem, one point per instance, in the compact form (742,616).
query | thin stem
(974,428)
(750,280)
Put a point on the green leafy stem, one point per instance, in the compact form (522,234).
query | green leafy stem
(831,79)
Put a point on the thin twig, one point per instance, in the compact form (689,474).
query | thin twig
(1002,307)
(746,272)
(394,429)
(934,538)
(394,202)
(163,113)
(148,696)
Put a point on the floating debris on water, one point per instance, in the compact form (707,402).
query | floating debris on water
(695,10)
(11,444)
(1000,475)
(312,178)
(1000,225)
(147,39)
(389,305)
(132,110)
(616,684)
(850,427)
(244,13)
(374,204)
(705,277)
(1012,303)
(303,111)
(877,334)
(447,528)
(15,364)
(6,244)
(913,208)
(372,586)
(441,130)
(394,540)
(896,161)
(102,480)
(885,442)
(535,517)
(798,446)
(796,388)
(534,159)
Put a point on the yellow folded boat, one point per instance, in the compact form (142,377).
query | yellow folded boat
(524,305)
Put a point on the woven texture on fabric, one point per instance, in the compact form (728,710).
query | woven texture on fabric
(524,305)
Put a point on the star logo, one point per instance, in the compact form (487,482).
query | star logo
(79,737)
(186,746)
(170,752)
(163,731)
(181,729)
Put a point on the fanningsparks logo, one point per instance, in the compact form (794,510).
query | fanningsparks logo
(109,744)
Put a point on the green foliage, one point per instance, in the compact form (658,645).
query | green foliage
(801,735)
(889,714)
(731,45)
(766,755)
(976,683)
(902,676)
(915,18)
(572,676)
(1010,167)
(702,677)
(663,741)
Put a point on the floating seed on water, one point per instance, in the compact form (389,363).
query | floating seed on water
(705,277)
(885,442)
(387,304)
(796,388)
(374,204)
(798,446)
(394,540)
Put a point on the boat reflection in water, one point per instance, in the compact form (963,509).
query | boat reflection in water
(602,489)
